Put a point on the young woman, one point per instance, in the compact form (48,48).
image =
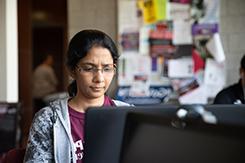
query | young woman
(57,131)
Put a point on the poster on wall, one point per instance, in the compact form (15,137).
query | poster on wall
(169,53)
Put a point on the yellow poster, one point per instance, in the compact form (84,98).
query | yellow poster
(153,10)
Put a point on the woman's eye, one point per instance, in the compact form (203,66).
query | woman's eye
(107,69)
(88,69)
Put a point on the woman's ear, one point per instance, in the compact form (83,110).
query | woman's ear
(241,72)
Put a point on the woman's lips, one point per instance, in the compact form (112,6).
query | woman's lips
(97,88)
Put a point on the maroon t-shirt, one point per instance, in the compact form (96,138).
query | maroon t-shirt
(77,128)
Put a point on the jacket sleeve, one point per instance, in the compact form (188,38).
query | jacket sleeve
(40,142)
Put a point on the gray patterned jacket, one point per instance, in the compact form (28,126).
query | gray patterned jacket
(50,138)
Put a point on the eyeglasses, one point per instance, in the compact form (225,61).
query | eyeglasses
(90,69)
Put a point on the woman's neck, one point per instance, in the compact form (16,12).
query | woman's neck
(81,104)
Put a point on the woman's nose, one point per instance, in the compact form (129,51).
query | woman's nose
(98,76)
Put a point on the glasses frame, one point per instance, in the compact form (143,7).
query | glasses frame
(94,70)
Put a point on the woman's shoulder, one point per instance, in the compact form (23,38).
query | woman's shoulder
(43,117)
(47,113)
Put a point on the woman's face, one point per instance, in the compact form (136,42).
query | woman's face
(94,73)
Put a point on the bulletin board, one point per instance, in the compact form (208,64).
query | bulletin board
(169,49)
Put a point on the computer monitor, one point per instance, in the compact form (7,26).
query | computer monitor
(104,130)
(153,138)
(228,113)
(104,127)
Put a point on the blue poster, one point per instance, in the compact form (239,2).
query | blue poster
(157,94)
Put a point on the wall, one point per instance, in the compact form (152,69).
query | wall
(84,14)
(9,51)
(2,51)
(93,13)
(232,16)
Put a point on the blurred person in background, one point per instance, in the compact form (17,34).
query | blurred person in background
(44,82)
(233,94)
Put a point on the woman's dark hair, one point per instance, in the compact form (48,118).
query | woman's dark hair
(81,44)
(243,62)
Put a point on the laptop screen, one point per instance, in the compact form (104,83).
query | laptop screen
(152,138)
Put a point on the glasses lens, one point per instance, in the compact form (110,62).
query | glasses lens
(88,69)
